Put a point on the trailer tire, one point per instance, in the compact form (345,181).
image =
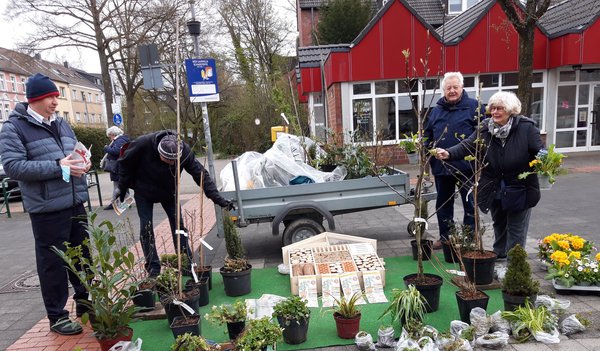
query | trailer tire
(301,229)
(410,228)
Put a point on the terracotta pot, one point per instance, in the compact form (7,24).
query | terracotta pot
(347,327)
(106,344)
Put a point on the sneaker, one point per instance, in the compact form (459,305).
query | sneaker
(437,244)
(501,258)
(81,308)
(65,326)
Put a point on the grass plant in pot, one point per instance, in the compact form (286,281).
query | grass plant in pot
(518,285)
(109,279)
(236,271)
(407,307)
(258,335)
(189,342)
(346,314)
(233,315)
(293,316)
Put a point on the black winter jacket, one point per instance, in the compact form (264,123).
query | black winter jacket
(142,170)
(505,163)
(113,150)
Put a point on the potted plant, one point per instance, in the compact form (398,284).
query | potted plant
(518,286)
(145,297)
(236,270)
(258,334)
(409,145)
(189,342)
(234,315)
(109,281)
(527,320)
(171,260)
(185,325)
(293,316)
(547,165)
(407,306)
(347,315)
(168,288)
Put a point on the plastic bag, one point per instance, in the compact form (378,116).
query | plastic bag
(385,338)
(127,346)
(364,341)
(547,338)
(457,344)
(456,327)
(552,304)
(427,344)
(429,331)
(407,344)
(500,272)
(496,340)
(499,324)
(480,320)
(571,325)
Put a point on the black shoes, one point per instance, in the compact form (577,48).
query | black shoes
(80,309)
(65,326)
(109,207)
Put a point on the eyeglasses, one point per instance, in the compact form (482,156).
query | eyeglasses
(499,108)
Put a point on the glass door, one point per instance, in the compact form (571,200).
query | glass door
(594,125)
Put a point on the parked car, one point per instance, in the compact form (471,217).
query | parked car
(12,184)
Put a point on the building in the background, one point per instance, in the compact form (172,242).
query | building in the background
(81,100)
(364,81)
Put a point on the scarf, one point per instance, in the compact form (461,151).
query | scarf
(500,132)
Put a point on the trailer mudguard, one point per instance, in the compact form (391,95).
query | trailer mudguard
(315,206)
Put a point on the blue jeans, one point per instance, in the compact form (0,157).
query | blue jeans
(444,205)
(510,228)
(147,239)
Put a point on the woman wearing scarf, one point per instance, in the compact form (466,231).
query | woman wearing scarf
(512,141)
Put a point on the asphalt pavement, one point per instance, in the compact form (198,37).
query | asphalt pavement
(570,206)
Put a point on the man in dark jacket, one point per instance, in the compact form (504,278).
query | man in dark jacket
(450,121)
(36,149)
(149,167)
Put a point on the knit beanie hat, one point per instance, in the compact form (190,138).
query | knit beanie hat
(39,87)
(168,147)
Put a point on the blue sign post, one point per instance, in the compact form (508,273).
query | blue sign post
(202,80)
(117,119)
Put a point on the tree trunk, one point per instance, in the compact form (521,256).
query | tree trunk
(526,67)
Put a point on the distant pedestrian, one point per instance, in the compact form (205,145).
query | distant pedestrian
(452,117)
(35,145)
(512,141)
(149,168)
(113,150)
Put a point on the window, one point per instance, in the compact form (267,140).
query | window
(66,115)
(89,97)
(13,81)
(2,82)
(458,6)
(97,98)
(74,95)
(77,116)
(23,83)
(62,92)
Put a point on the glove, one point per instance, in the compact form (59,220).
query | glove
(229,206)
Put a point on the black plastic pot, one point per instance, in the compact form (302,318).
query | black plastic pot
(182,325)
(235,328)
(172,310)
(449,254)
(295,332)
(480,270)
(237,283)
(465,306)
(202,286)
(205,272)
(426,247)
(145,299)
(511,302)
(430,291)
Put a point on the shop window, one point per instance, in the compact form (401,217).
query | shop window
(405,86)
(537,106)
(564,139)
(386,118)
(469,82)
(385,87)
(565,109)
(510,79)
(567,76)
(589,75)
(362,116)
(584,94)
(538,77)
(431,84)
(489,80)
(359,89)
(407,121)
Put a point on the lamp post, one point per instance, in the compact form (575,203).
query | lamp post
(194,31)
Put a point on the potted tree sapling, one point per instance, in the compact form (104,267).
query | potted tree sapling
(293,316)
(109,280)
(236,270)
(258,335)
(518,285)
(234,315)
(175,302)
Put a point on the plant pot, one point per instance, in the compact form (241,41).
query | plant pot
(182,325)
(235,328)
(480,270)
(145,300)
(172,310)
(346,327)
(450,255)
(430,287)
(205,272)
(413,158)
(465,305)
(511,302)
(106,344)
(544,182)
(426,247)
(327,168)
(237,283)
(294,333)
(202,286)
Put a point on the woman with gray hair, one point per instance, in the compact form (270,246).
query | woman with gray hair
(113,150)
(512,141)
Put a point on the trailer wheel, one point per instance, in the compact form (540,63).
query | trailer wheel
(410,228)
(301,229)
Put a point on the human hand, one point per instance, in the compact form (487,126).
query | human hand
(76,167)
(229,206)
(441,154)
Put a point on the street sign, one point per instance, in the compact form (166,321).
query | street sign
(202,80)
(117,119)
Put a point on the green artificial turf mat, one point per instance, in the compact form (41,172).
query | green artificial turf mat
(156,334)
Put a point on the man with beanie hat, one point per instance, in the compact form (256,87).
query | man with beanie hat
(35,146)
(148,167)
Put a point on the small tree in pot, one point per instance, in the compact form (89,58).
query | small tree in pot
(236,271)
(233,315)
(293,316)
(518,285)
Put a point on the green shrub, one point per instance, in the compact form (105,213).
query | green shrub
(518,280)
(94,137)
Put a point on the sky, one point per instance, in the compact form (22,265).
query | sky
(13,32)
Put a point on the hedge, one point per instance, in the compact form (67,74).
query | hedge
(94,137)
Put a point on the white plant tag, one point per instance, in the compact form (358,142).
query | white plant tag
(206,244)
(181,232)
(184,305)
(194,272)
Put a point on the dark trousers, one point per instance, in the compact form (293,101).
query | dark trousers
(510,228)
(444,205)
(53,229)
(144,209)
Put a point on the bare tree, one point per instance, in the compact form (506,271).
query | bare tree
(524,21)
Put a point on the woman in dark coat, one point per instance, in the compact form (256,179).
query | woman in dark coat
(512,142)
(113,150)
